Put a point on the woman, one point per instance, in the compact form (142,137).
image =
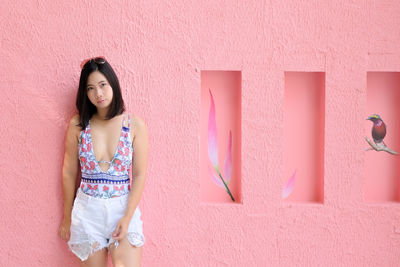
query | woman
(107,143)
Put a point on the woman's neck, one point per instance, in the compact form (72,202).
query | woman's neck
(101,114)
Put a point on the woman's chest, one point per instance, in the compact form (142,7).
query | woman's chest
(104,150)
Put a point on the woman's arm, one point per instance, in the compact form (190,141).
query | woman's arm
(70,166)
(69,173)
(139,165)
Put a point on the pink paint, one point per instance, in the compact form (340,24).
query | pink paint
(158,49)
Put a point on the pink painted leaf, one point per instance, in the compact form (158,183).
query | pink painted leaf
(215,178)
(288,189)
(228,161)
(212,135)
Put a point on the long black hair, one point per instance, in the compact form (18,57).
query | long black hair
(85,108)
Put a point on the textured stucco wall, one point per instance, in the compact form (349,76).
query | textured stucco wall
(158,49)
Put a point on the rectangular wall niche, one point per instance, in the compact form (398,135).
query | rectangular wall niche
(304,118)
(381,183)
(218,122)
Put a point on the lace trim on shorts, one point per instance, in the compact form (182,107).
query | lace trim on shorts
(135,239)
(85,248)
(88,247)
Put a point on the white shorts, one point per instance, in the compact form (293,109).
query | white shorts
(93,220)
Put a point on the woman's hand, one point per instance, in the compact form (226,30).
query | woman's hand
(121,229)
(65,229)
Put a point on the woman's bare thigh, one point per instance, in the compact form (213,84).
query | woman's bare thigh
(126,254)
(97,259)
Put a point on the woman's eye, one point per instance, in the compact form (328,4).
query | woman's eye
(103,84)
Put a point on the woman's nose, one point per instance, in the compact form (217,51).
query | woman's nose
(99,92)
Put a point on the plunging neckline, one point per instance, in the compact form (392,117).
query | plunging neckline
(116,150)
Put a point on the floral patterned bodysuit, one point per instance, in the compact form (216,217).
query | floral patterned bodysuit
(115,181)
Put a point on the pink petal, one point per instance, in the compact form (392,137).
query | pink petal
(212,134)
(215,178)
(287,190)
(228,160)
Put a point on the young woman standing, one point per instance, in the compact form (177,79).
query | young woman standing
(110,147)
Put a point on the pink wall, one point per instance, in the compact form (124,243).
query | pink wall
(159,49)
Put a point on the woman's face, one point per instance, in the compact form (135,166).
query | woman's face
(99,91)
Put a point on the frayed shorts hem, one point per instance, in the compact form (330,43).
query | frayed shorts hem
(83,250)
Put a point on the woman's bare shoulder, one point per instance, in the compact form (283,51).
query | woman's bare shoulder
(73,126)
(137,122)
(138,125)
(74,119)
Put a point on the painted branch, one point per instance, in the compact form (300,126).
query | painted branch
(380,147)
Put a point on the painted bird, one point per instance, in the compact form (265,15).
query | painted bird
(378,129)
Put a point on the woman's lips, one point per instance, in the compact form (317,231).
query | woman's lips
(100,101)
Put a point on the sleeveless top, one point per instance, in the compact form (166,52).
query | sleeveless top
(115,181)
